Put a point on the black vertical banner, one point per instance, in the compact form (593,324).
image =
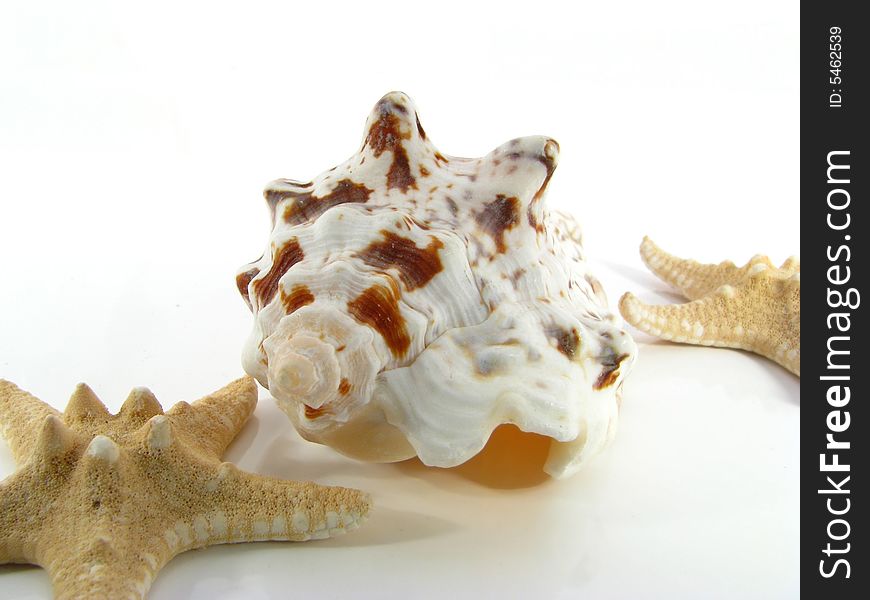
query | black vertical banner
(835,562)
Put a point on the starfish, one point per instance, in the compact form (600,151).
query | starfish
(103,501)
(756,307)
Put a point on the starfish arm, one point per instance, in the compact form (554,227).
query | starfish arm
(693,279)
(25,493)
(709,321)
(236,506)
(214,421)
(21,414)
(770,311)
(122,561)
(14,547)
(89,543)
(103,566)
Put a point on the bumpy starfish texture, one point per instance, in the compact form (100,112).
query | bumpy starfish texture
(756,307)
(103,501)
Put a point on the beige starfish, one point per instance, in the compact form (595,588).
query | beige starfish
(102,502)
(756,307)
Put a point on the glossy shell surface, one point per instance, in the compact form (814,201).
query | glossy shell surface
(409,302)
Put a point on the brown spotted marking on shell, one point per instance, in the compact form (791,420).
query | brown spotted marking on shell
(516,276)
(285,257)
(497,217)
(451,204)
(416,266)
(419,224)
(306,207)
(298,297)
(275,192)
(243,280)
(314,413)
(567,341)
(378,307)
(386,134)
(344,387)
(610,373)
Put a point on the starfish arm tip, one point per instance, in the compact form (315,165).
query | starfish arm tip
(630,307)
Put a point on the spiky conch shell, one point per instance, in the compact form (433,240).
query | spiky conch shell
(409,302)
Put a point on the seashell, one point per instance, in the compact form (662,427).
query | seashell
(409,302)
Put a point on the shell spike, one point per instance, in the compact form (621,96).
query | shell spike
(84,404)
(394,136)
(55,438)
(141,404)
(398,104)
(158,433)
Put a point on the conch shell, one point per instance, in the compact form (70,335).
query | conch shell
(410,302)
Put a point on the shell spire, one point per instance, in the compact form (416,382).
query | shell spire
(410,302)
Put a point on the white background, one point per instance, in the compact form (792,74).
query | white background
(134,144)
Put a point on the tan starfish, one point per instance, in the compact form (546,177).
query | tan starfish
(102,502)
(756,307)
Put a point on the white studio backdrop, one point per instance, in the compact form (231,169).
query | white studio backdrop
(136,138)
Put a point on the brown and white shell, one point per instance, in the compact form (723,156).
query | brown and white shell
(410,302)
